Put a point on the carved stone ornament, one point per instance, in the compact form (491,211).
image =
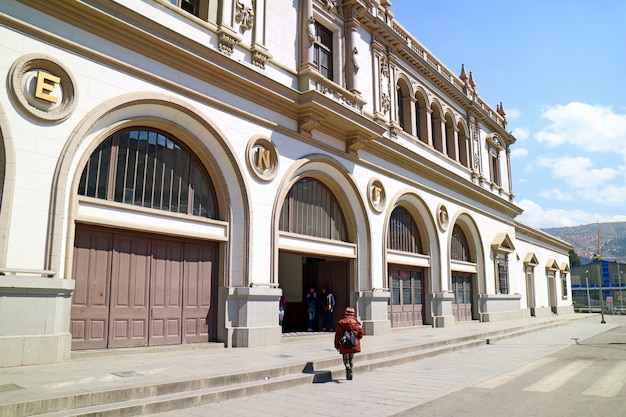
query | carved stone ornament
(310,27)
(227,42)
(376,195)
(385,102)
(43,88)
(355,63)
(443,218)
(244,15)
(329,4)
(262,158)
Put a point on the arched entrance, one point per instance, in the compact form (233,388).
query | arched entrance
(315,251)
(464,273)
(406,269)
(140,280)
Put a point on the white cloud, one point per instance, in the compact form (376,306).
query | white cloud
(578,171)
(557,194)
(518,153)
(521,133)
(536,216)
(512,114)
(592,128)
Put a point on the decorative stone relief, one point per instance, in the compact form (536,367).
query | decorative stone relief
(311,29)
(328,4)
(308,123)
(227,42)
(354,143)
(42,87)
(443,218)
(244,15)
(376,195)
(259,59)
(262,158)
(355,62)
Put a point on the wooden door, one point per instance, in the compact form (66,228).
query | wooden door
(199,299)
(166,292)
(130,278)
(407,292)
(89,324)
(462,303)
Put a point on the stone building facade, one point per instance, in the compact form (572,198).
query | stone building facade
(168,169)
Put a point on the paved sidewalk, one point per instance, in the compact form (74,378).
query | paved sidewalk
(397,389)
(124,368)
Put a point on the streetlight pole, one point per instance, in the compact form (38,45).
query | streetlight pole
(600,279)
(619,280)
(588,298)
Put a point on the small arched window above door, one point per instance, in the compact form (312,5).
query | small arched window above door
(146,167)
(460,249)
(403,232)
(311,209)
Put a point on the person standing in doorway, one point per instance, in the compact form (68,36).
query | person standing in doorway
(348,322)
(328,307)
(282,302)
(310,304)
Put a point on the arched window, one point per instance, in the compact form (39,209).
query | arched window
(311,209)
(145,167)
(460,250)
(403,232)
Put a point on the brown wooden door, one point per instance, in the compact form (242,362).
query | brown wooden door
(407,292)
(166,292)
(89,323)
(199,311)
(130,278)
(139,290)
(462,303)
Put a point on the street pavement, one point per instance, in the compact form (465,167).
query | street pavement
(398,390)
(381,392)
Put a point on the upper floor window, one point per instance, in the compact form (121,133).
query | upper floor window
(502,264)
(323,51)
(145,167)
(190,6)
(495,146)
(494,167)
(564,285)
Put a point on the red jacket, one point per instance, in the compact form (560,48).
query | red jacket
(347,323)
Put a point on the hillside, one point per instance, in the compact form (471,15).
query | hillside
(584,239)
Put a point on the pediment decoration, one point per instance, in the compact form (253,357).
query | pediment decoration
(494,141)
(565,267)
(530,259)
(502,243)
(552,265)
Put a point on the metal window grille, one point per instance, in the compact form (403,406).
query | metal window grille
(147,168)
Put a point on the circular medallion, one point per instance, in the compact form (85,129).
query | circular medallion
(42,88)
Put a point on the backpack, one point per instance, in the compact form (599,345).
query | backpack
(348,340)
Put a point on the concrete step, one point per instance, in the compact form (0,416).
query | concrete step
(152,399)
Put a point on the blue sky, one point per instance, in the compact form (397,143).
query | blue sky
(559,68)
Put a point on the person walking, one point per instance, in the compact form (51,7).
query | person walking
(347,350)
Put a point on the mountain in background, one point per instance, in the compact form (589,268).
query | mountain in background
(584,239)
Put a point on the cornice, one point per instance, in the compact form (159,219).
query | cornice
(541,236)
(429,170)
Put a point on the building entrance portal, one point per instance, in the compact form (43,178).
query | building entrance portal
(317,273)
